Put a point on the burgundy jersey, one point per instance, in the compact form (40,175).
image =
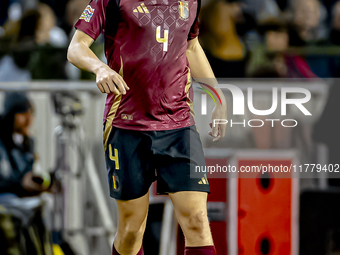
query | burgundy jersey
(146,43)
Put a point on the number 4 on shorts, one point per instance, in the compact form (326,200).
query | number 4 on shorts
(114,157)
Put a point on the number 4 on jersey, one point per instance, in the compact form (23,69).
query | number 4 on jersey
(163,40)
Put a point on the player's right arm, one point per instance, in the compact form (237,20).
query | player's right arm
(80,55)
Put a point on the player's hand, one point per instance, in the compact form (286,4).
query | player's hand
(218,131)
(108,81)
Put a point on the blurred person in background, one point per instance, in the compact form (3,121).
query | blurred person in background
(22,229)
(47,31)
(60,10)
(335,24)
(17,147)
(224,49)
(42,27)
(17,153)
(267,57)
(33,44)
(48,59)
(19,42)
(74,9)
(302,24)
(307,23)
(308,28)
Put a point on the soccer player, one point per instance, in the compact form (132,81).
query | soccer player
(152,52)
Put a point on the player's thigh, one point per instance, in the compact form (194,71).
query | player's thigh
(178,155)
(190,208)
(133,213)
(128,163)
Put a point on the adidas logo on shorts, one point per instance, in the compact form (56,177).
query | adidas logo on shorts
(204,180)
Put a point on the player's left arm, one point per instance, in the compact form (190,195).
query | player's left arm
(202,73)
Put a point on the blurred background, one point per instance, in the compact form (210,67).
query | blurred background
(53,181)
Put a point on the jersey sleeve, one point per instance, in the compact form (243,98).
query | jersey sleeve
(92,20)
(194,30)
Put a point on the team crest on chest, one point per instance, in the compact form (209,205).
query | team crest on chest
(183,10)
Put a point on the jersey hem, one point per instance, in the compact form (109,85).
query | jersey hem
(152,129)
(88,32)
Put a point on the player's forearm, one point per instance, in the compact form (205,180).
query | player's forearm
(80,55)
(201,69)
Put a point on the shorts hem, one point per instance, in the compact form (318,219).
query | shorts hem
(122,198)
(182,190)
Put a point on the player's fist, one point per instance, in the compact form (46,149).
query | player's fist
(108,81)
(218,127)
